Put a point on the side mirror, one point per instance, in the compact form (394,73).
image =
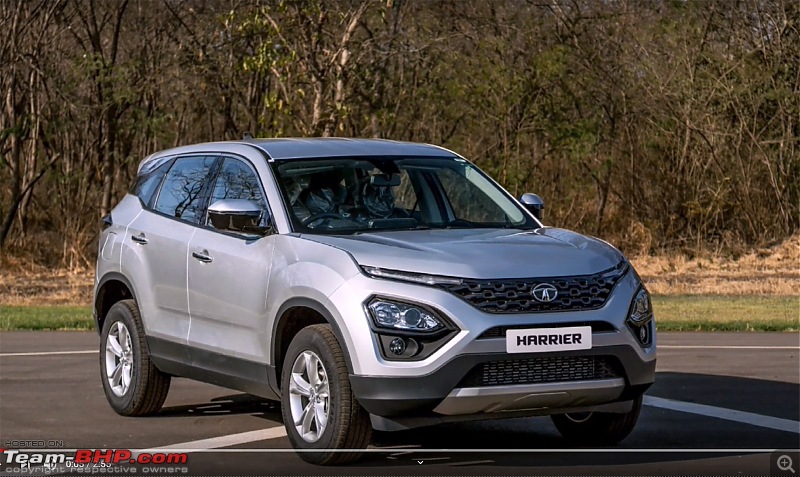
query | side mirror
(533,203)
(237,215)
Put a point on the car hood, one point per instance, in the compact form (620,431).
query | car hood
(479,253)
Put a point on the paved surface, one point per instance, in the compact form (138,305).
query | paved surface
(721,401)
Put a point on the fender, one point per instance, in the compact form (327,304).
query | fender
(272,372)
(106,278)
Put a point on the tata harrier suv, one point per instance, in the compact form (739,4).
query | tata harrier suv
(365,284)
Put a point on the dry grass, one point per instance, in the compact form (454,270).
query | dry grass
(23,284)
(774,271)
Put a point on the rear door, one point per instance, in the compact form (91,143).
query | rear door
(159,239)
(228,278)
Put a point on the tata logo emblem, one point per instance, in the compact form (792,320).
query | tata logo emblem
(544,292)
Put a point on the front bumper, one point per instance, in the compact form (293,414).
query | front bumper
(445,392)
(443,386)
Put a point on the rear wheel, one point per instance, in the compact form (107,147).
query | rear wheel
(598,428)
(319,409)
(132,383)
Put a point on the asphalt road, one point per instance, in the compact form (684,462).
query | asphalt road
(721,403)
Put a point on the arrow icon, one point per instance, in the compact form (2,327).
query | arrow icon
(420,461)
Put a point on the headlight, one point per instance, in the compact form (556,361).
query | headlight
(640,317)
(408,332)
(641,308)
(403,317)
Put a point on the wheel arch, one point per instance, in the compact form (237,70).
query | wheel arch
(294,315)
(113,287)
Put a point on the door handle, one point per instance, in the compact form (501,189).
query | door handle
(140,239)
(203,257)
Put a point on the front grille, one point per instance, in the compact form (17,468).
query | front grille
(542,370)
(585,292)
(500,331)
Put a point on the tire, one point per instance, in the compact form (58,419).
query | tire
(598,428)
(147,386)
(344,423)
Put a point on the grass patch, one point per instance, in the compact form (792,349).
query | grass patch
(673,313)
(727,313)
(46,318)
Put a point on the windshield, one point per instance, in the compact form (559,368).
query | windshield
(343,195)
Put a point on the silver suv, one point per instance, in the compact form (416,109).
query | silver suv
(365,284)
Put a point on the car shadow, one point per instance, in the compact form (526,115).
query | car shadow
(229,404)
(526,442)
(658,429)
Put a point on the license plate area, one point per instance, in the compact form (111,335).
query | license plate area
(541,340)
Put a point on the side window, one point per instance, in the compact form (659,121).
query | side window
(148,181)
(468,201)
(180,195)
(236,180)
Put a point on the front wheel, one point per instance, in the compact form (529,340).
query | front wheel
(318,406)
(598,428)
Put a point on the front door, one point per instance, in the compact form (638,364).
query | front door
(228,278)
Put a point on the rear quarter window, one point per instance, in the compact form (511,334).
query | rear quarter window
(147,182)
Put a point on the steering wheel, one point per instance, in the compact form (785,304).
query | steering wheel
(324,215)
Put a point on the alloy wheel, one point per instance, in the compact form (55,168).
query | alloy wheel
(309,396)
(119,359)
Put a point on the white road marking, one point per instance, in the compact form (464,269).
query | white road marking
(49,353)
(396,454)
(726,347)
(753,419)
(225,441)
(473,462)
